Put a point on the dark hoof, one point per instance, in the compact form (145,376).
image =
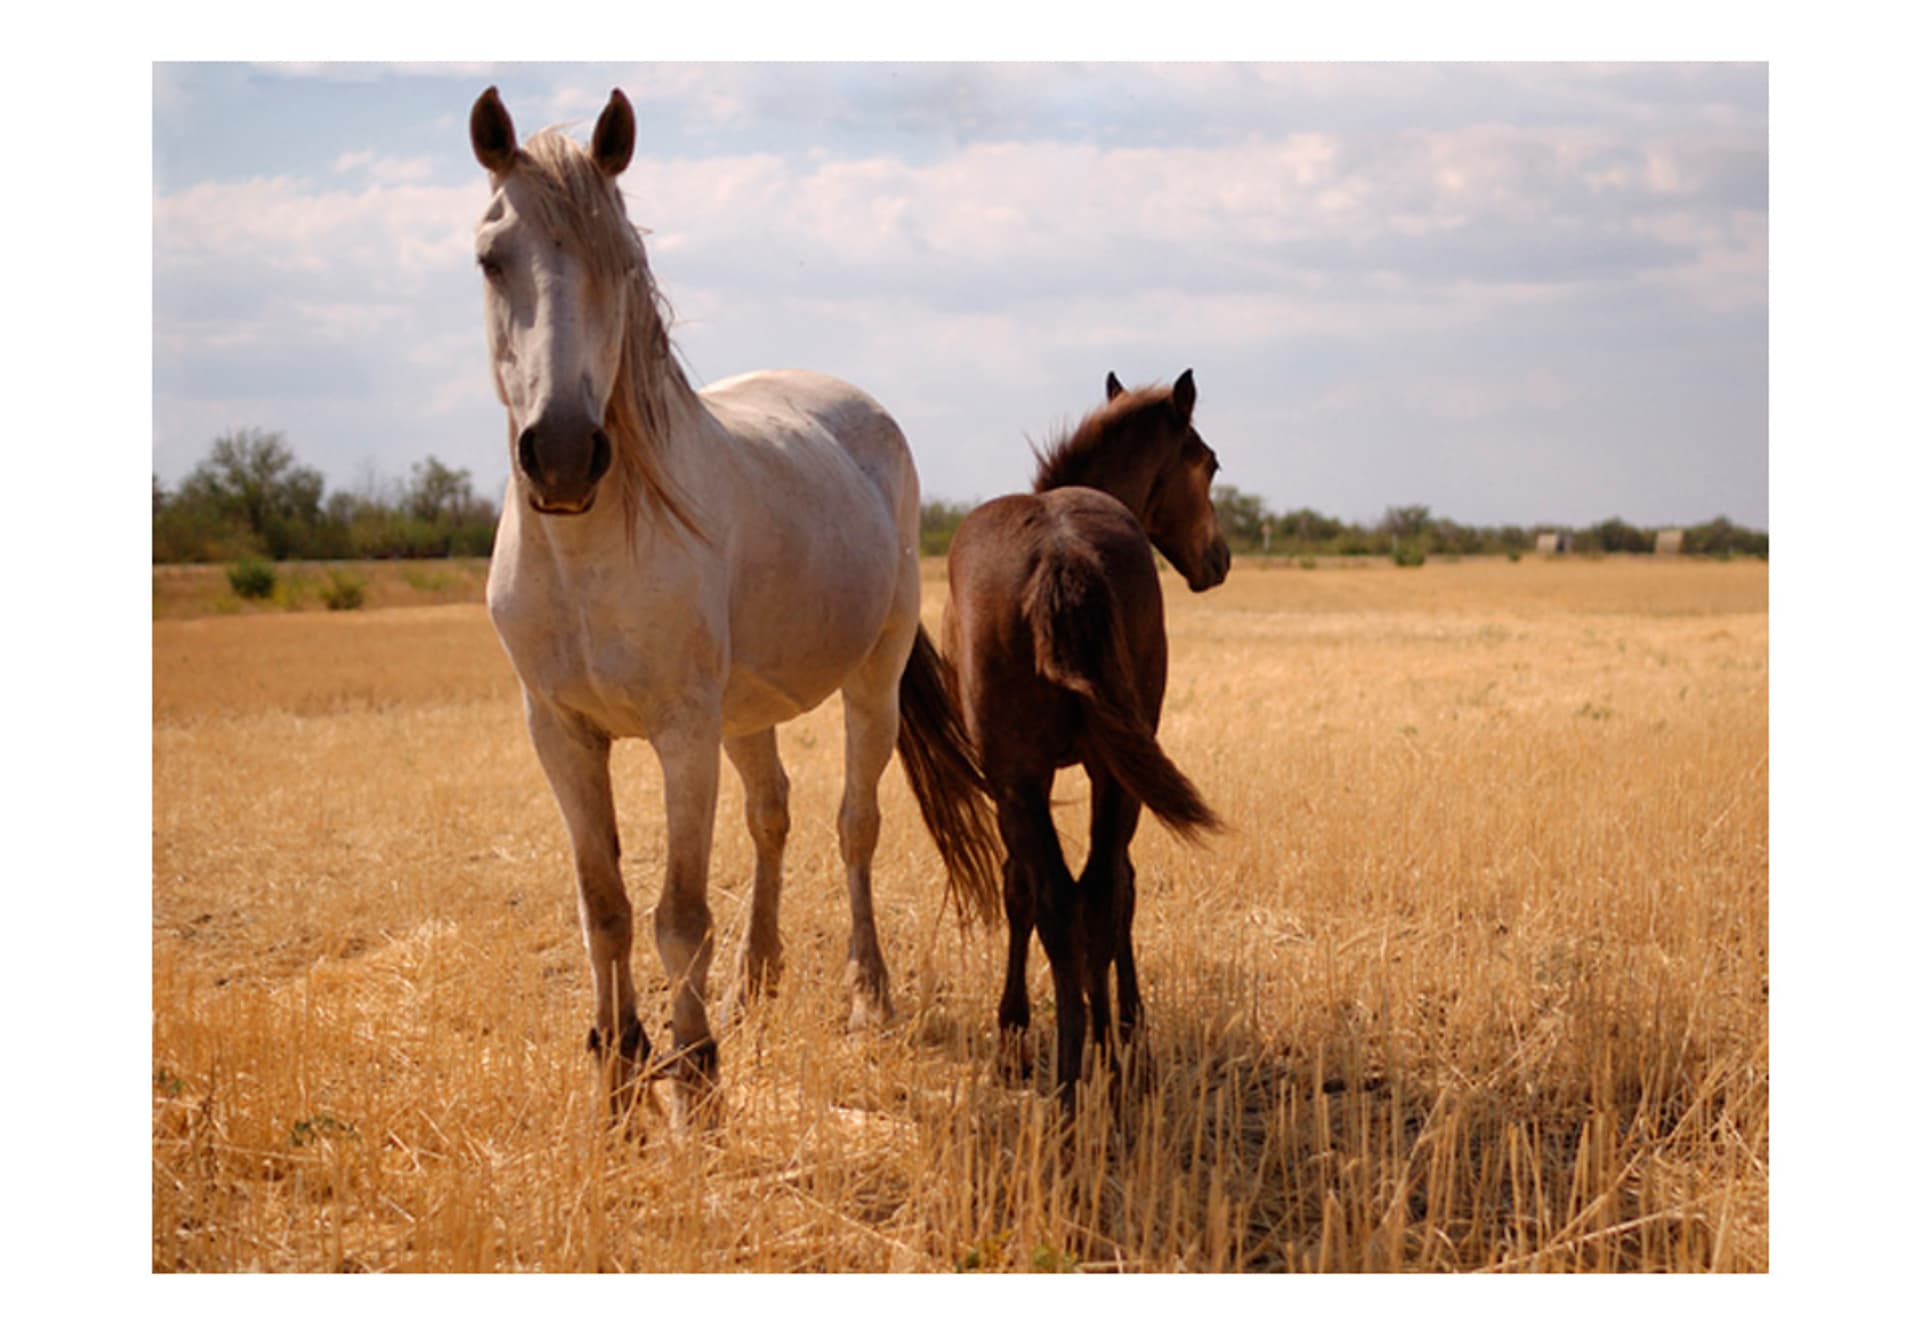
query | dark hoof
(1016,1056)
(633,1041)
(624,1071)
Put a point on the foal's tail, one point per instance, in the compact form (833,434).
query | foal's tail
(1070,606)
(944,772)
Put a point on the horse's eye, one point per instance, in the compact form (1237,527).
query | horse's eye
(491,267)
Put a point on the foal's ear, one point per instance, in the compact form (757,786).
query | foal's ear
(613,136)
(1114,387)
(491,129)
(1184,394)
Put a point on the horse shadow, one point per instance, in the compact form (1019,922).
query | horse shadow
(1208,1146)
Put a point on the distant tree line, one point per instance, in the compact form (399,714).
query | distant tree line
(250,497)
(1249,525)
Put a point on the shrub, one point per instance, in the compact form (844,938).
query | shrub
(938,523)
(345,590)
(1409,553)
(427,580)
(293,590)
(251,577)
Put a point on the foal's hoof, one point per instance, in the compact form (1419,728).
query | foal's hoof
(1016,1056)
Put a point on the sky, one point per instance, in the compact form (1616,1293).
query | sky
(1515,293)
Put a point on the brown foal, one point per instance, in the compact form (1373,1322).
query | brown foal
(1055,634)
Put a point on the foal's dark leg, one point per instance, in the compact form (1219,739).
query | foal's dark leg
(1107,888)
(1017,888)
(1132,1016)
(1096,903)
(1026,825)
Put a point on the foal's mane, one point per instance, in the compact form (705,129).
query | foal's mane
(1077,457)
(583,210)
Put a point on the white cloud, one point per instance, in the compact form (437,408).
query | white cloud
(287,223)
(367,71)
(384,168)
(1267,214)
(347,321)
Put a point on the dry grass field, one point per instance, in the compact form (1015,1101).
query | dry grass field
(204,590)
(1476,981)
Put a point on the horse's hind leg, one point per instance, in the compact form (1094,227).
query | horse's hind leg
(757,760)
(1106,885)
(1017,888)
(574,758)
(1026,825)
(872,699)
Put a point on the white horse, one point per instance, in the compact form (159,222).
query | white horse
(695,568)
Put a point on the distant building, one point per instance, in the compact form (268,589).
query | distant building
(1669,542)
(1555,544)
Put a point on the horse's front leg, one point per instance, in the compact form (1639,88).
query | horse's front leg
(682,923)
(574,756)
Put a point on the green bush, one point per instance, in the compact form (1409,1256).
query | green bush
(1409,554)
(251,577)
(428,581)
(293,590)
(938,523)
(345,591)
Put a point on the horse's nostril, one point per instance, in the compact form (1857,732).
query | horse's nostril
(529,455)
(602,457)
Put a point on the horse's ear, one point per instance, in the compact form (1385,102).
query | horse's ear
(613,136)
(1184,394)
(1114,387)
(491,129)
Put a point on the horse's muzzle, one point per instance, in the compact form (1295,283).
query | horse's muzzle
(563,467)
(1213,568)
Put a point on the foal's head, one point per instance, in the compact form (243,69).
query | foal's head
(1142,448)
(559,259)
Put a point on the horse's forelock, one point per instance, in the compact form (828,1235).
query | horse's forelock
(578,206)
